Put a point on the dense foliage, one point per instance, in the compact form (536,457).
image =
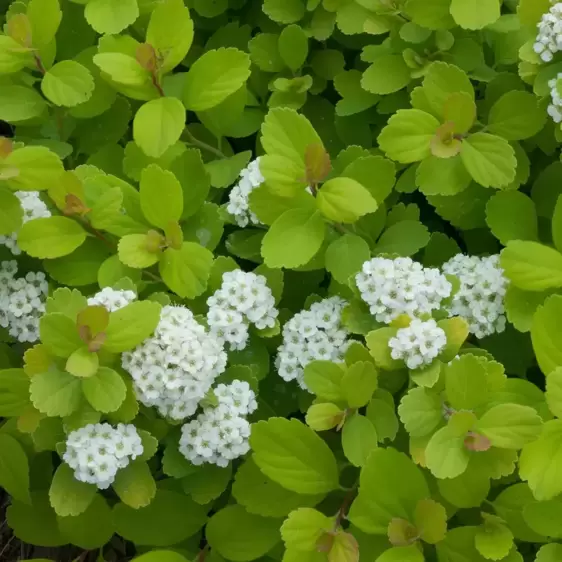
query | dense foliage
(280,280)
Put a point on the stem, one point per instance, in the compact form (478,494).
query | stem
(203,554)
(203,145)
(157,85)
(346,504)
(39,63)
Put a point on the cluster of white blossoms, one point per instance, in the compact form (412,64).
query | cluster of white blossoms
(239,203)
(97,451)
(33,208)
(480,299)
(392,287)
(314,334)
(418,344)
(22,301)
(174,369)
(549,36)
(244,298)
(220,433)
(554,109)
(112,299)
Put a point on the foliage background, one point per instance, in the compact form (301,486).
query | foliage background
(421,128)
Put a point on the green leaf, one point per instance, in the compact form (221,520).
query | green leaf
(553,392)
(382,413)
(540,463)
(322,417)
(91,529)
(122,69)
(389,73)
(160,556)
(19,103)
(38,169)
(170,518)
(544,517)
(14,468)
(359,383)
(304,528)
(186,271)
(68,496)
(207,483)
(516,116)
(445,454)
(135,486)
(324,378)
(489,159)
(264,50)
(59,334)
(131,325)
(260,495)
(14,392)
(466,383)
(82,363)
(440,82)
(493,539)
(546,334)
(214,76)
(375,173)
(293,239)
(549,553)
(531,11)
(224,172)
(557,224)
(345,257)
(475,14)
(404,238)
(291,454)
(105,391)
(56,393)
(442,176)
(50,237)
(407,136)
(158,125)
(390,486)
(359,438)
(170,32)
(532,266)
(284,11)
(345,200)
(107,16)
(134,251)
(67,84)
(161,196)
(355,98)
(511,215)
(460,110)
(45,17)
(293,46)
(510,426)
(401,554)
(240,536)
(36,523)
(431,521)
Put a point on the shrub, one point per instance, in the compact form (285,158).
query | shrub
(281,279)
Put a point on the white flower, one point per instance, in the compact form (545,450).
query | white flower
(220,434)
(418,344)
(549,36)
(244,298)
(239,204)
(401,286)
(33,208)
(480,298)
(174,369)
(96,452)
(22,302)
(312,335)
(112,299)
(555,107)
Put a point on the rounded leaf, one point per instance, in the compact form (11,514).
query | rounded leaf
(67,84)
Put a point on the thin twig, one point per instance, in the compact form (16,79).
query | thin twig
(204,145)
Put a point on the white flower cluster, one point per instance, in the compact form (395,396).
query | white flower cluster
(549,36)
(220,434)
(96,452)
(112,299)
(174,369)
(311,335)
(22,301)
(243,298)
(392,287)
(239,204)
(33,208)
(480,299)
(418,344)
(554,109)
